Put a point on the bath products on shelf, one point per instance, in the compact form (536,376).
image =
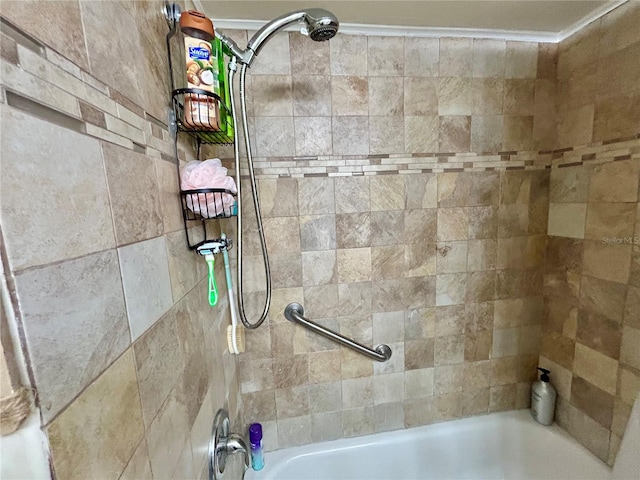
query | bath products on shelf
(255,438)
(202,70)
(543,399)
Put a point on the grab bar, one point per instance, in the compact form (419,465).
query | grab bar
(294,312)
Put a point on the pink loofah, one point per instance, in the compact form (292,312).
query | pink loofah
(208,174)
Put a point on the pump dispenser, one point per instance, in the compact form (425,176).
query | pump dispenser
(543,399)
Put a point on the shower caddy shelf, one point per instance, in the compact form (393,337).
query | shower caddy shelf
(201,205)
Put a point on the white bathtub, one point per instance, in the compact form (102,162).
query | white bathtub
(508,445)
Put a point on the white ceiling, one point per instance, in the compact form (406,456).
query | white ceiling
(551,16)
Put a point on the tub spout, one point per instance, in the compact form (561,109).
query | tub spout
(224,443)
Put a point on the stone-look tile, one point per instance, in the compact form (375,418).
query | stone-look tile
(476,375)
(355,298)
(420,96)
(350,135)
(294,431)
(567,219)
(519,97)
(588,432)
(140,264)
(350,95)
(386,135)
(629,354)
(259,405)
(326,426)
(475,402)
(625,62)
(568,185)
(324,366)
(618,29)
(388,416)
(292,402)
(420,226)
(482,255)
(386,56)
(421,57)
(354,265)
(290,371)
(255,376)
(353,230)
(452,257)
(421,191)
(486,133)
(518,133)
(315,196)
(185,269)
(610,220)
(99,432)
(418,412)
(325,397)
(357,392)
(502,398)
(453,224)
(505,342)
(593,401)
(313,136)
(275,60)
(418,383)
(168,188)
(521,60)
(419,324)
(419,354)
(387,262)
(321,301)
(352,194)
(138,467)
(71,166)
(348,55)
(547,60)
(278,197)
(79,296)
(318,268)
(479,316)
(447,407)
(575,126)
(420,260)
(421,133)
(284,339)
(386,96)
(488,58)
(487,96)
(607,261)
(419,292)
(388,388)
(455,96)
(357,421)
(456,57)
(504,371)
(275,136)
(450,289)
(453,189)
(477,345)
(596,368)
(614,182)
(387,192)
(311,95)
(614,117)
(317,232)
(482,222)
(455,134)
(311,58)
(449,350)
(272,95)
(133,189)
(158,364)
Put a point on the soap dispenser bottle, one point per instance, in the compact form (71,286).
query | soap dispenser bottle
(543,399)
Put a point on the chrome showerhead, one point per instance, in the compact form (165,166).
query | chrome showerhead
(321,25)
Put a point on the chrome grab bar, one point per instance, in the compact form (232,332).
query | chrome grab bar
(294,312)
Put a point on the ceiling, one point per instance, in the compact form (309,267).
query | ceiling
(521,15)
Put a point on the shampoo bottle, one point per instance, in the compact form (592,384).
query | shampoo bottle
(255,438)
(543,399)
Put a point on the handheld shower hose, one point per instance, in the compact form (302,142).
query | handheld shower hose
(320,25)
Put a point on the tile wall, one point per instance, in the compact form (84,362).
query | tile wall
(127,356)
(591,329)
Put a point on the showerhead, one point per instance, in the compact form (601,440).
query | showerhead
(319,24)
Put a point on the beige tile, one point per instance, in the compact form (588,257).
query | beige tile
(420,226)
(596,368)
(259,406)
(321,301)
(588,432)
(449,350)
(278,197)
(450,289)
(185,268)
(567,219)
(358,421)
(387,262)
(313,136)
(453,224)
(357,392)
(290,371)
(625,63)
(547,60)
(475,402)
(455,134)
(608,261)
(141,263)
(487,96)
(311,58)
(456,57)
(629,354)
(387,192)
(386,96)
(421,191)
(618,28)
(452,257)
(274,136)
(610,220)
(350,135)
(272,95)
(319,268)
(477,345)
(317,232)
(615,117)
(325,397)
(486,133)
(354,265)
(521,60)
(388,388)
(488,58)
(453,189)
(593,401)
(418,412)
(99,432)
(419,354)
(311,94)
(386,135)
(348,55)
(168,188)
(72,166)
(316,195)
(483,222)
(502,398)
(519,97)
(569,185)
(505,342)
(138,467)
(350,95)
(353,230)
(575,126)
(421,133)
(325,366)
(482,255)
(418,383)
(386,56)
(455,96)
(80,303)
(518,133)
(614,182)
(294,431)
(420,96)
(476,375)
(292,402)
(420,260)
(419,324)
(421,57)
(389,416)
(352,194)
(326,426)
(275,60)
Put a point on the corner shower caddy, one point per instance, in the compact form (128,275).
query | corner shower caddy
(198,206)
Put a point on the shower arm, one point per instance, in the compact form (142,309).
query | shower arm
(256,202)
